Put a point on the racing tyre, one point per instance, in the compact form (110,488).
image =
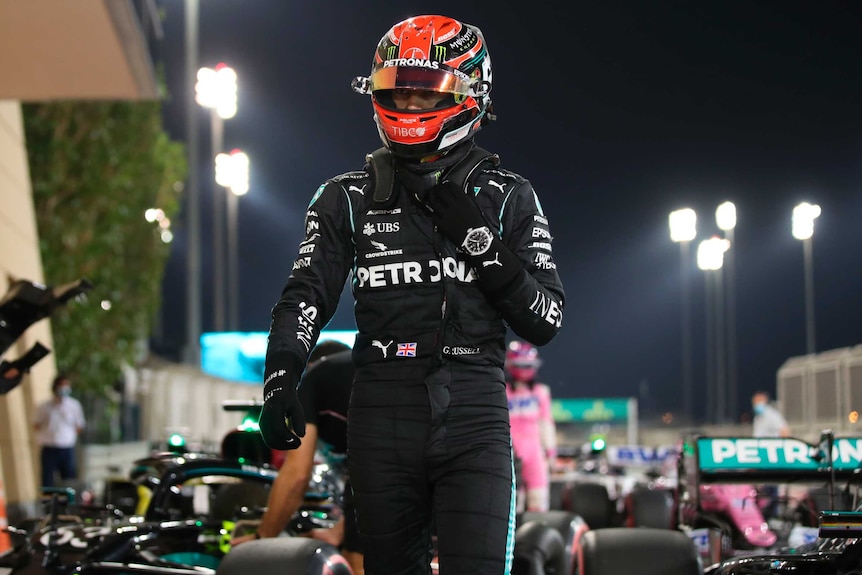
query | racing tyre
(539,550)
(592,503)
(555,494)
(650,508)
(644,551)
(284,555)
(571,528)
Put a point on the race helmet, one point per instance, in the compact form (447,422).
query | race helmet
(522,361)
(436,54)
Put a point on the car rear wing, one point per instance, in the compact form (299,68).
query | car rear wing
(640,456)
(770,460)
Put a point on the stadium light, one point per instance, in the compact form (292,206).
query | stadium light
(725,219)
(710,258)
(683,229)
(802,227)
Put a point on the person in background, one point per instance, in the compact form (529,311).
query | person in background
(768,422)
(534,436)
(324,393)
(58,422)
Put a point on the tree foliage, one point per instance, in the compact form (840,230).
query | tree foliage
(96,167)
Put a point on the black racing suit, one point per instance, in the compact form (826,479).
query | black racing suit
(428,430)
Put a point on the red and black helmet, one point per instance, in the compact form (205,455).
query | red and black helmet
(434,53)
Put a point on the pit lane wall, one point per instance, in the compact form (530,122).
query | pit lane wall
(177,398)
(168,398)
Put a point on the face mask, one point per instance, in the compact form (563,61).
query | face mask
(64,391)
(759,408)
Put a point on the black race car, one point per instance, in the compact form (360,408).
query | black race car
(192,506)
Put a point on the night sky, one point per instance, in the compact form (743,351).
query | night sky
(618,113)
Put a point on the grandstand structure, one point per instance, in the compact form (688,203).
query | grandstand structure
(822,391)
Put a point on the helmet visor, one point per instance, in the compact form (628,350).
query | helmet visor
(525,362)
(418,78)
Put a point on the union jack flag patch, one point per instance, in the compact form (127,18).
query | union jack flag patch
(406,350)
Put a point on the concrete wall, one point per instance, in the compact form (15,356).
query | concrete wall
(176,398)
(101,463)
(822,390)
(20,258)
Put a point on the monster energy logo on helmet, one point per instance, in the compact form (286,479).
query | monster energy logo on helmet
(439,53)
(467,40)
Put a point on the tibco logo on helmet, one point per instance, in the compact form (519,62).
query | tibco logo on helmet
(429,52)
(408,132)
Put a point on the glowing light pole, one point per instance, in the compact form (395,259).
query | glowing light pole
(683,229)
(725,218)
(232,173)
(710,258)
(193,264)
(803,229)
(216,90)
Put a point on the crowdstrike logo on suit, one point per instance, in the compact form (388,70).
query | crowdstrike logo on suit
(383,251)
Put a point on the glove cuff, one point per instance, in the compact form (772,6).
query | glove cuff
(282,368)
(497,268)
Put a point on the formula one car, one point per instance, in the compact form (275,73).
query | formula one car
(618,485)
(195,505)
(721,510)
(834,549)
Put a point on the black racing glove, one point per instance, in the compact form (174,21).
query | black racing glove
(459,218)
(282,421)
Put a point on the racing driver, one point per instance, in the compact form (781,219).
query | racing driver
(446,248)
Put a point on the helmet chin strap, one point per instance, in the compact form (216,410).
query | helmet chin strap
(489,115)
(433,158)
(438,161)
